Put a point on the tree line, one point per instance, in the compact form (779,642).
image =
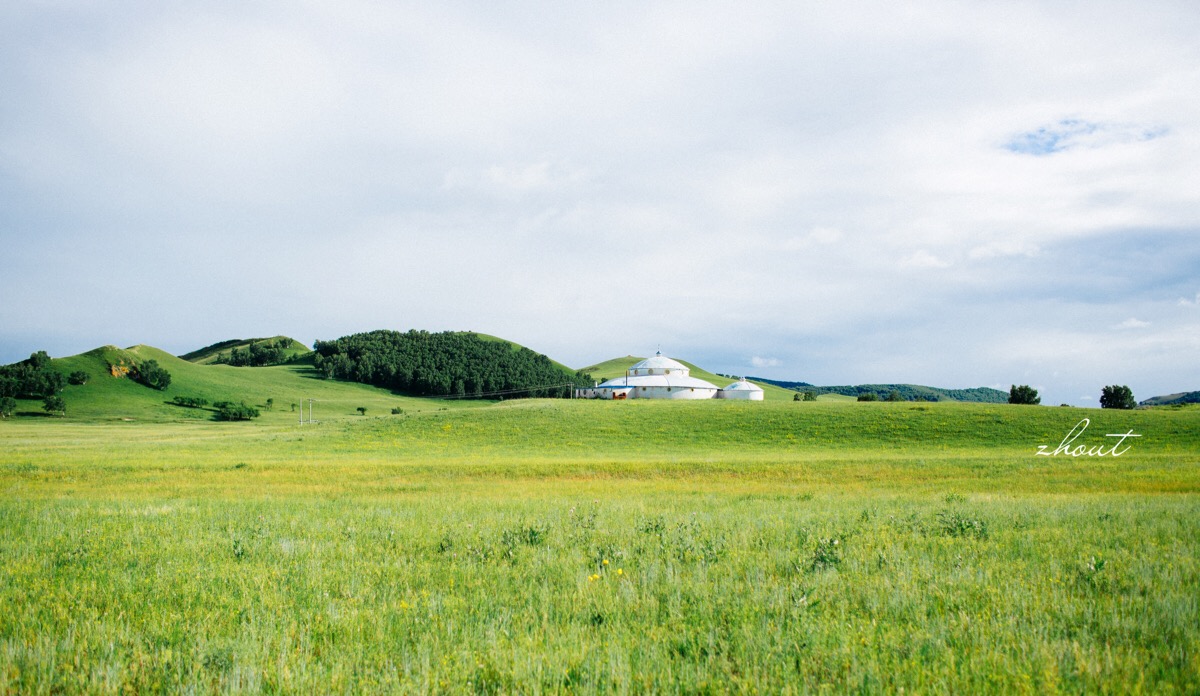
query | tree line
(443,364)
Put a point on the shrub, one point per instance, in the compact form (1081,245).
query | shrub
(362,410)
(8,406)
(236,412)
(396,411)
(190,401)
(869,396)
(55,404)
(78,378)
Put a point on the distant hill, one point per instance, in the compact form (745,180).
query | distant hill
(617,367)
(284,349)
(908,392)
(1173,399)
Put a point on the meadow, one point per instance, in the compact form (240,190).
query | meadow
(598,547)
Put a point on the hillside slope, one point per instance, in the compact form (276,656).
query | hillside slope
(108,397)
(1173,399)
(617,367)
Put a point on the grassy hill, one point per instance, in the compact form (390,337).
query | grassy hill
(210,354)
(107,397)
(1173,399)
(618,366)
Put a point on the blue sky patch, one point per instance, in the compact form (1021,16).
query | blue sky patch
(1072,133)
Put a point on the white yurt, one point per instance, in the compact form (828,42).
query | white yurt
(657,378)
(744,390)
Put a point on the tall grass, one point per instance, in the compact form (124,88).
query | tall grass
(554,547)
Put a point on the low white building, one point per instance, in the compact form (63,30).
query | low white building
(663,378)
(741,389)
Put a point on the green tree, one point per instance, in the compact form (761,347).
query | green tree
(894,395)
(797,397)
(810,396)
(869,396)
(78,377)
(1117,396)
(1023,394)
(152,375)
(55,404)
(8,406)
(270,404)
(362,410)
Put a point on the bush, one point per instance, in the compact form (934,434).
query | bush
(362,410)
(190,401)
(1023,394)
(236,412)
(1117,396)
(8,406)
(894,395)
(78,378)
(396,411)
(869,396)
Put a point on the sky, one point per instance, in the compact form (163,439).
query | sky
(956,194)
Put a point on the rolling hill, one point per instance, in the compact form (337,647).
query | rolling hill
(908,392)
(1173,399)
(109,396)
(220,351)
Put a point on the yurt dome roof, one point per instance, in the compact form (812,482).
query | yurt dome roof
(743,385)
(659,362)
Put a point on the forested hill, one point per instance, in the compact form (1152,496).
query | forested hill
(908,392)
(444,364)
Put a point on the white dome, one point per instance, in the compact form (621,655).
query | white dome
(743,385)
(659,365)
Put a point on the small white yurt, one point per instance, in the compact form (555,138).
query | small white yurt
(743,390)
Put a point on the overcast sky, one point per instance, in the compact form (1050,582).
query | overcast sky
(948,193)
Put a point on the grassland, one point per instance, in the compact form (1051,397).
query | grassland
(558,546)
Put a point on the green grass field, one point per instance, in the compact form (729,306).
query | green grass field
(583,546)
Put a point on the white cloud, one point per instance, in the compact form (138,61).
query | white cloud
(1133,323)
(761,362)
(922,259)
(824,184)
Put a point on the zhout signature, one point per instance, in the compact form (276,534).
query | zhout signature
(1065,447)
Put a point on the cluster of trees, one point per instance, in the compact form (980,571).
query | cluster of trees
(151,374)
(1023,394)
(257,354)
(228,411)
(31,379)
(1117,396)
(443,364)
(190,401)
